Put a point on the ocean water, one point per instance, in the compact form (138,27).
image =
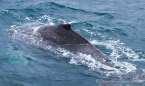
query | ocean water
(117,28)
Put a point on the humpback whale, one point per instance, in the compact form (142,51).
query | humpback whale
(63,36)
(66,38)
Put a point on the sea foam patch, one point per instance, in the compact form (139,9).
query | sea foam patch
(118,49)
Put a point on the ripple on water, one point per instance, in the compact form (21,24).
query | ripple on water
(119,31)
(107,15)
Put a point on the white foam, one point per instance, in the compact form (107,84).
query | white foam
(71,22)
(35,28)
(89,32)
(126,67)
(89,61)
(27,18)
(45,17)
(118,49)
(81,59)
(50,20)
(86,60)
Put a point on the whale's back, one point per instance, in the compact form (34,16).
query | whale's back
(68,39)
(61,34)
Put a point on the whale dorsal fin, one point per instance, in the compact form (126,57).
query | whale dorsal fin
(67,26)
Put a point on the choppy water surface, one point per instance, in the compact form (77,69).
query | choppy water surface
(114,27)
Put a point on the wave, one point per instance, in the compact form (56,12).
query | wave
(84,11)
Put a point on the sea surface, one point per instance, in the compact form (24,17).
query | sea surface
(115,27)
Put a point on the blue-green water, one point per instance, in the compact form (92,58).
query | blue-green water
(115,27)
